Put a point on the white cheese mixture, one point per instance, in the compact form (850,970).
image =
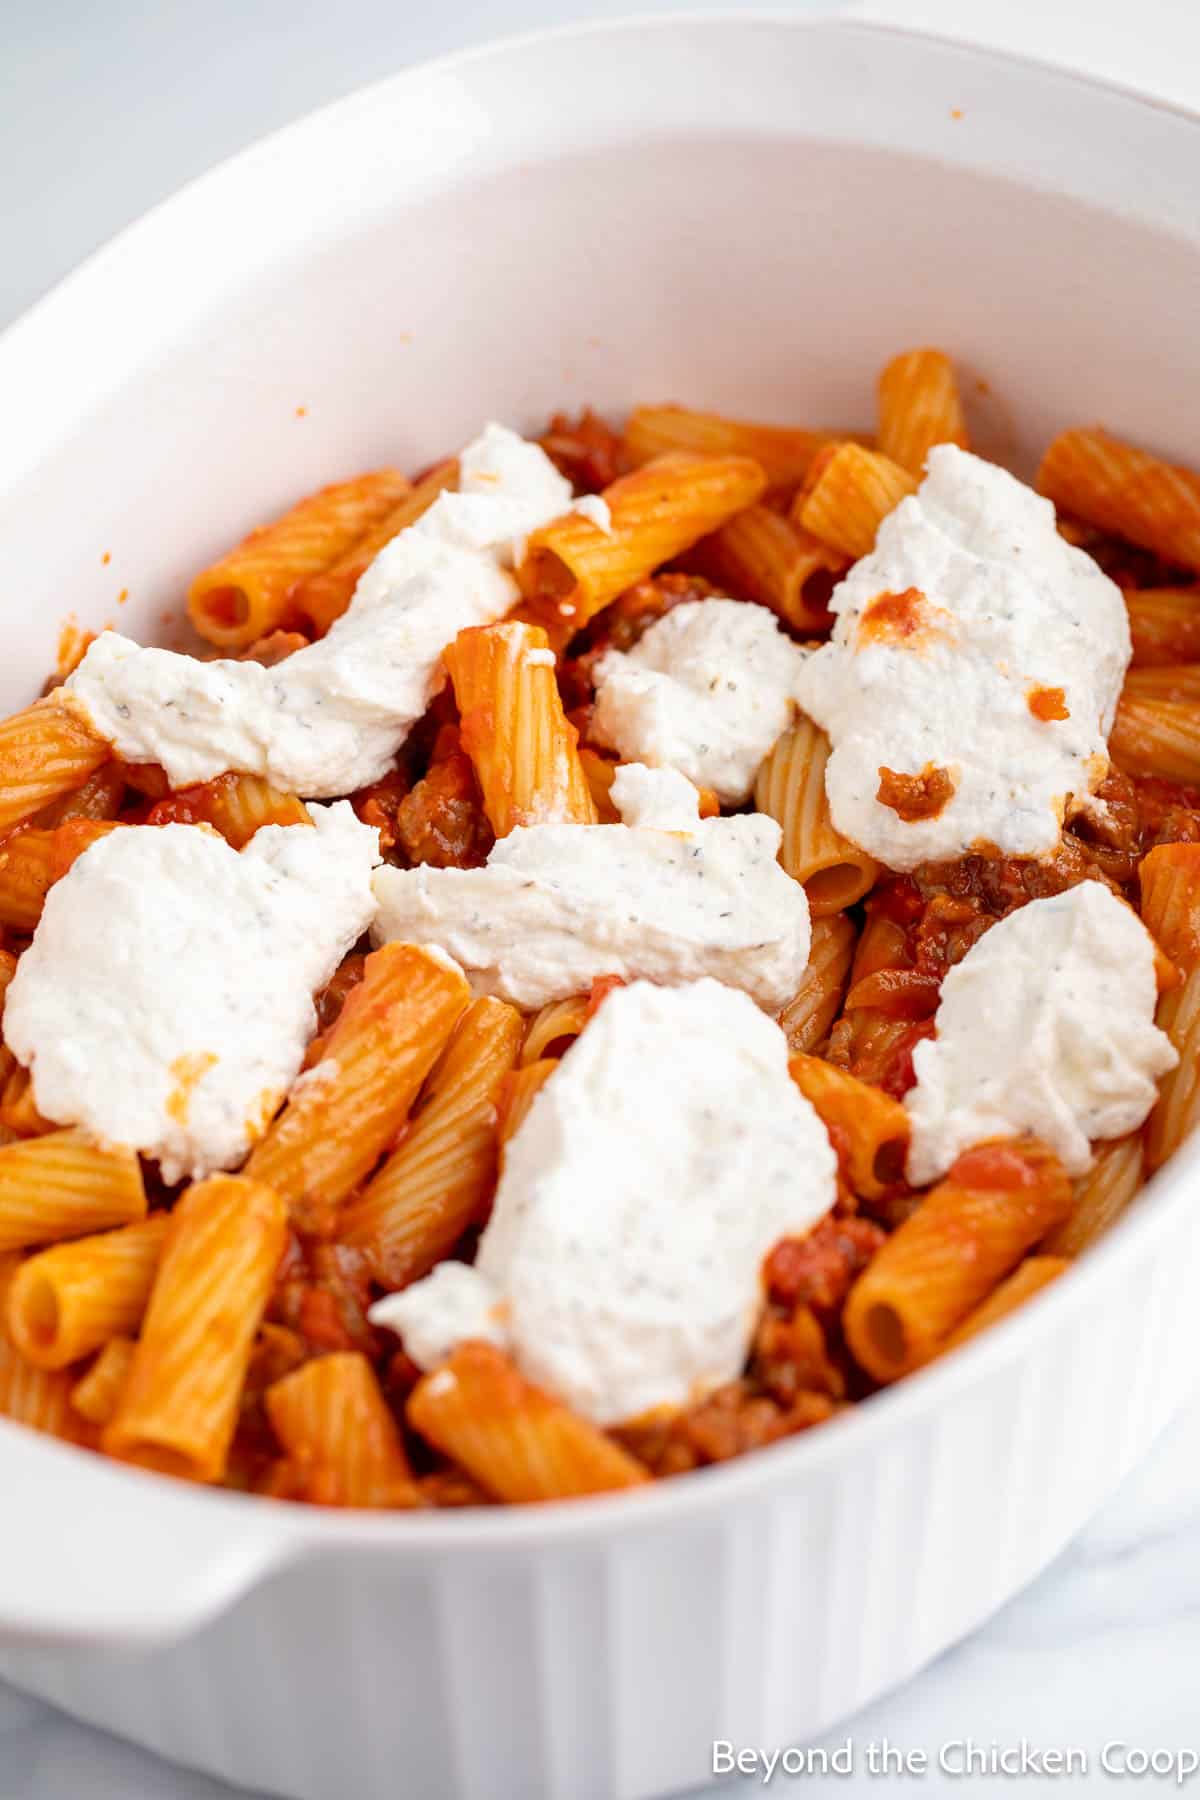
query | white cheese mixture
(437,1314)
(622,1262)
(664,895)
(166,1000)
(1000,608)
(330,718)
(707,690)
(1046,1025)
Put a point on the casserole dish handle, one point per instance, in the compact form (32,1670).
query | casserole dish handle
(92,1552)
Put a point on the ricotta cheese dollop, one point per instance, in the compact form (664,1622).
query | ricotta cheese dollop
(972,676)
(707,690)
(1046,1025)
(621,1265)
(330,718)
(664,895)
(165,1002)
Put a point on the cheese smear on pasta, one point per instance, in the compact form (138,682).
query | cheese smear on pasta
(977,654)
(1046,1025)
(706,690)
(165,1003)
(329,719)
(665,895)
(621,1265)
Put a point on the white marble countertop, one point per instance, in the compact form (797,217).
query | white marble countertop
(109,107)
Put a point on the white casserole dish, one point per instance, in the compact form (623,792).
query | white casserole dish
(749,214)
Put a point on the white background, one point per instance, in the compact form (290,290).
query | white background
(107,106)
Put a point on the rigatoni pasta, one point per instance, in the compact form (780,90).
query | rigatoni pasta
(100,797)
(178,1407)
(575,566)
(808,1017)
(1113,484)
(1164,624)
(237,806)
(554,1026)
(1100,1197)
(61,1185)
(791,788)
(32,861)
(66,1302)
(514,728)
(18,1108)
(784,454)
(1178,1109)
(919,406)
(1177,681)
(430,1189)
(869,1130)
(45,752)
(763,556)
(1157,737)
(964,1237)
(345,1111)
(1034,1274)
(24,878)
(322,598)
(248,592)
(38,1398)
(330,1416)
(97,1393)
(517,1441)
(849,493)
(518,1093)
(1169,882)
(599,772)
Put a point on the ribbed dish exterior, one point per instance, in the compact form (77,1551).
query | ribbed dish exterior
(604,1670)
(764,1603)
